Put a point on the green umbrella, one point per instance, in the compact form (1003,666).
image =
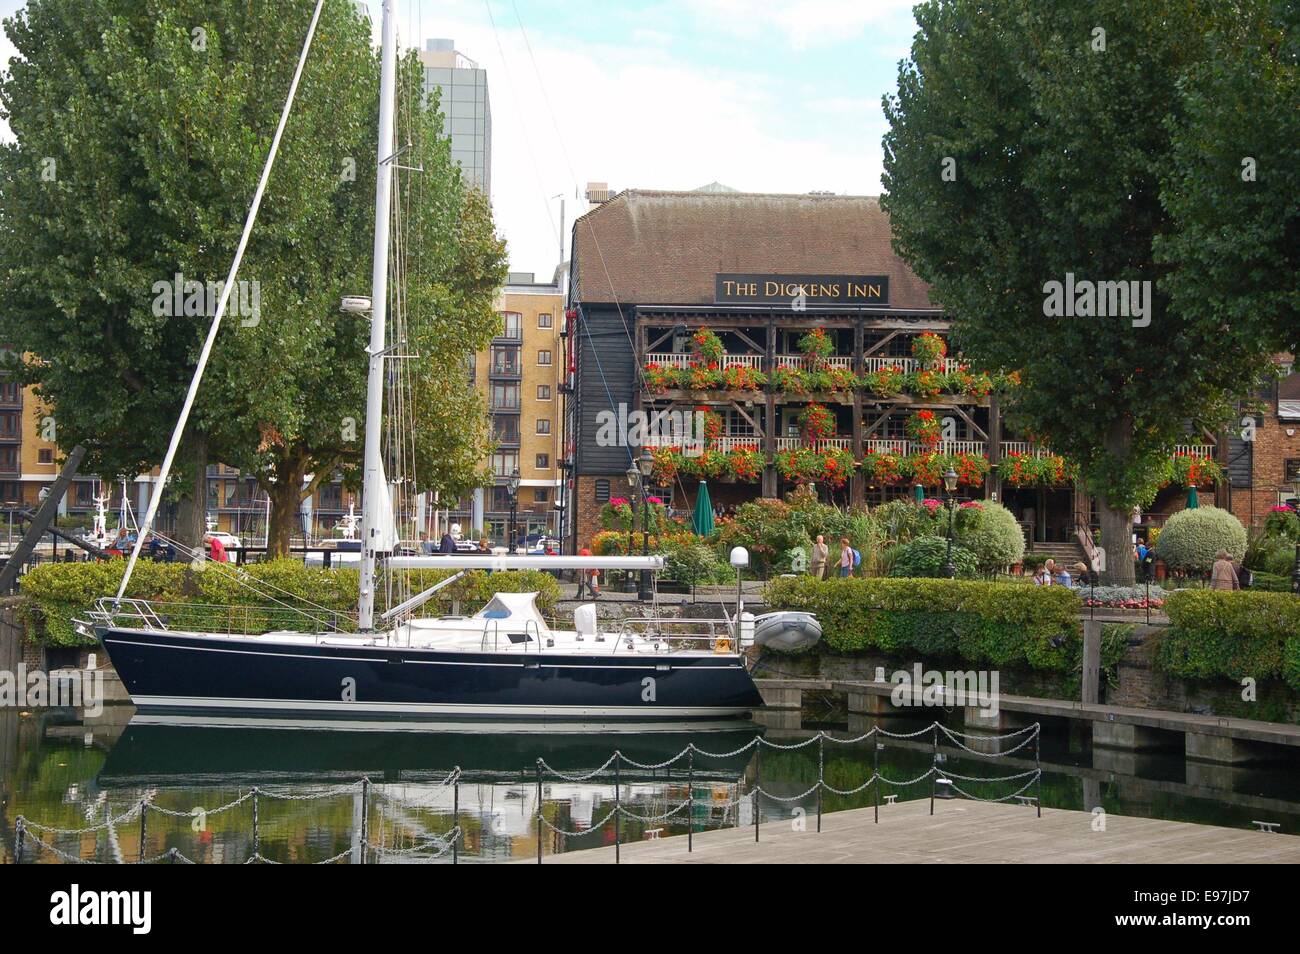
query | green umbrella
(1192,501)
(702,519)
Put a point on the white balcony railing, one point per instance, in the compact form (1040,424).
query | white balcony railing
(1196,450)
(796,443)
(874,363)
(668,359)
(801,361)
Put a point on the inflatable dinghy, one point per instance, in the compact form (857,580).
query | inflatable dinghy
(789,631)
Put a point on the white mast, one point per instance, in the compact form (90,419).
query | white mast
(373,497)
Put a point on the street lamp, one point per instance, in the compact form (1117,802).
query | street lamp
(950,488)
(633,475)
(646,465)
(512,488)
(1295,571)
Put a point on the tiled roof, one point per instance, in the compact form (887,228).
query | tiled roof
(666,247)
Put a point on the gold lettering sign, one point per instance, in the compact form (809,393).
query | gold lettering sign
(861,290)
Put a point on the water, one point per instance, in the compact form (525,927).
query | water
(63,772)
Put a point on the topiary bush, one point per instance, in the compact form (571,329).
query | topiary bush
(928,557)
(990,531)
(1190,538)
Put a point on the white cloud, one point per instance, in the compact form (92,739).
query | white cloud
(805,23)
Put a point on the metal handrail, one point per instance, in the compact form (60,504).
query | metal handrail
(710,639)
(158,613)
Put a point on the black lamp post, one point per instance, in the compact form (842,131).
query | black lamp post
(512,488)
(646,464)
(1295,572)
(950,488)
(633,475)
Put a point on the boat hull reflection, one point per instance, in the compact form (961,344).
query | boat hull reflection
(175,750)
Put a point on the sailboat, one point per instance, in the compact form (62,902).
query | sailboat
(503,662)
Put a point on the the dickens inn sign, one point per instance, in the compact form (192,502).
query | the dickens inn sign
(812,289)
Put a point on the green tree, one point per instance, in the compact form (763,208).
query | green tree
(1029,139)
(155,119)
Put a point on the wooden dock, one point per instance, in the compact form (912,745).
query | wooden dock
(960,831)
(1204,737)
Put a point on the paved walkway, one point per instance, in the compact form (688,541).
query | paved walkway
(960,832)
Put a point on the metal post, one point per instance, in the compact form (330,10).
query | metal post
(455,818)
(144,829)
(934,763)
(618,810)
(821,776)
(365,815)
(758,784)
(257,835)
(875,774)
(1038,768)
(690,797)
(539,811)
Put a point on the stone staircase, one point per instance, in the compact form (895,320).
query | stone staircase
(1068,553)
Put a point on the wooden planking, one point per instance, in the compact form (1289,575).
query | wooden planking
(960,832)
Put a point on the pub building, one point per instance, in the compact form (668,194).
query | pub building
(652,271)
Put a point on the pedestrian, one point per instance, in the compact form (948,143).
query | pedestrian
(448,543)
(1223,576)
(217,550)
(1061,576)
(426,545)
(591,577)
(1042,577)
(846,558)
(821,553)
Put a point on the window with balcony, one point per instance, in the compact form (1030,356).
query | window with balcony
(505,397)
(9,460)
(512,325)
(11,492)
(10,425)
(505,462)
(505,428)
(10,392)
(505,359)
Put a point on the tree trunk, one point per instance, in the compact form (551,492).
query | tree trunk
(1116,530)
(191,511)
(286,498)
(1117,521)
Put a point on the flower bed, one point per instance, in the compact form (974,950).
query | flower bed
(1125,597)
(805,465)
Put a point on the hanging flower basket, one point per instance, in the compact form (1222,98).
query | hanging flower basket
(707,345)
(816,346)
(929,349)
(924,428)
(816,423)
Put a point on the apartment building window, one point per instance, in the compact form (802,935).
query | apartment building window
(505,397)
(9,460)
(512,325)
(11,491)
(543,425)
(505,359)
(505,428)
(543,462)
(9,425)
(602,491)
(505,462)
(84,494)
(471,362)
(542,494)
(545,320)
(543,392)
(45,455)
(9,392)
(544,357)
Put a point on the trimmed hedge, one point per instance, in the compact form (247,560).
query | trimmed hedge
(1005,624)
(1232,634)
(53,593)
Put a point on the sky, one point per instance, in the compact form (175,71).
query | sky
(760,95)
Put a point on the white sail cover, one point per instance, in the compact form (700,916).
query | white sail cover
(386,540)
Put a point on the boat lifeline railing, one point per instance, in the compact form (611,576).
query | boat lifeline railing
(492,635)
(213,618)
(704,635)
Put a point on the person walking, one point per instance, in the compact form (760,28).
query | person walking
(846,558)
(821,553)
(1223,576)
(590,577)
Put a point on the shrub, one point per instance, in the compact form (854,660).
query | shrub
(928,557)
(692,562)
(1222,633)
(991,533)
(1190,538)
(904,520)
(999,623)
